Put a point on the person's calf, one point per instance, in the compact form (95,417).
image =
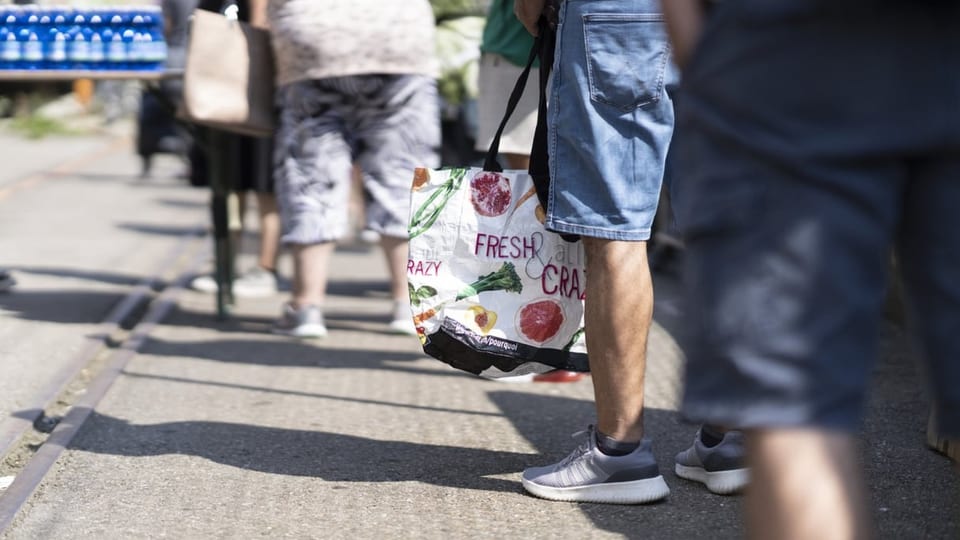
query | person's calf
(805,483)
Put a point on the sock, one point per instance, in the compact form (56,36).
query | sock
(612,447)
(710,436)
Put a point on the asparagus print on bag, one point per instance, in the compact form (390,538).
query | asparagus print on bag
(490,287)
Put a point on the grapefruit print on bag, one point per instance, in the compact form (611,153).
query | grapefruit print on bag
(541,320)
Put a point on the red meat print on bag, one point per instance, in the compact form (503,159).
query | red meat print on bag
(540,320)
(490,193)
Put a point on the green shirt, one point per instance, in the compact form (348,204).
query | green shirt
(504,35)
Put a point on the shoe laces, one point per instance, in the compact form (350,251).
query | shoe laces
(582,448)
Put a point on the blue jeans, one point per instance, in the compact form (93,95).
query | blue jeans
(610,119)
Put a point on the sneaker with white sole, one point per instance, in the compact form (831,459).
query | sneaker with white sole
(254,283)
(720,467)
(306,322)
(402,322)
(589,475)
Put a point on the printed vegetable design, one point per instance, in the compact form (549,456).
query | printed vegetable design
(540,320)
(574,339)
(428,314)
(490,193)
(503,279)
(541,214)
(523,198)
(484,318)
(420,177)
(430,210)
(420,294)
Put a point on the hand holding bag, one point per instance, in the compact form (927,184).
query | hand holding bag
(229,75)
(492,291)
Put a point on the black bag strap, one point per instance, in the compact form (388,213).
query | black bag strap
(542,46)
(543,49)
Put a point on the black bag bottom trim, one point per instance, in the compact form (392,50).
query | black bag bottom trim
(462,349)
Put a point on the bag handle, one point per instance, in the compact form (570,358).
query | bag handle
(230,10)
(543,49)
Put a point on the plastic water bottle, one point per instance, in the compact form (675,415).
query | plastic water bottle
(30,45)
(98,47)
(78,42)
(154,22)
(32,52)
(54,39)
(148,23)
(59,33)
(10,49)
(10,56)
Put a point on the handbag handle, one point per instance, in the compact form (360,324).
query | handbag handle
(230,10)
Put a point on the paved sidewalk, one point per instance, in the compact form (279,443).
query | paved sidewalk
(222,430)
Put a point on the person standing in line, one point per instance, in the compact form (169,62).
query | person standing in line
(355,82)
(792,197)
(255,175)
(610,124)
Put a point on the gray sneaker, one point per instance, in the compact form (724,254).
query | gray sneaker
(721,467)
(589,475)
(306,322)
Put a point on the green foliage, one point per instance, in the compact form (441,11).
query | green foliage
(36,126)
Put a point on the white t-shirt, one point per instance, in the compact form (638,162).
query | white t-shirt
(317,39)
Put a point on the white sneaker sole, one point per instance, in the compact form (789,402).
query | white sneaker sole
(720,482)
(306,331)
(241,292)
(635,492)
(403,327)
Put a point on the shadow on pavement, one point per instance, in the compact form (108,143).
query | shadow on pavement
(88,275)
(60,306)
(328,456)
(163,230)
(182,203)
(289,353)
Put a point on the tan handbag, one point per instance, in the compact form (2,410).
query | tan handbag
(229,75)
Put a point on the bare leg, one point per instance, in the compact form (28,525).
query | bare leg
(619,308)
(310,262)
(396,252)
(269,231)
(805,484)
(517,161)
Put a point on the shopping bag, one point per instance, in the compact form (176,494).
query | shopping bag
(493,292)
(228,79)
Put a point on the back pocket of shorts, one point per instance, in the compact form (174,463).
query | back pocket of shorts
(627,56)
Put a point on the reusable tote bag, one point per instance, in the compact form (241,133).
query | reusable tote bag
(229,74)
(492,291)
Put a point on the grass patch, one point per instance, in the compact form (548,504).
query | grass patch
(36,126)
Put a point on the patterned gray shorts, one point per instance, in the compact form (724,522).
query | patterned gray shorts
(388,124)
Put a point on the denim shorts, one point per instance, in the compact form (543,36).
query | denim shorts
(790,197)
(610,118)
